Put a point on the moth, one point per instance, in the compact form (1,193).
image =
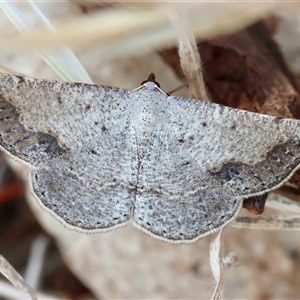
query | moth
(101,157)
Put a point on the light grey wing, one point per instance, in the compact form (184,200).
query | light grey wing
(79,139)
(66,111)
(246,152)
(92,188)
(177,200)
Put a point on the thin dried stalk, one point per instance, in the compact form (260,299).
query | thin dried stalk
(276,222)
(216,265)
(121,31)
(287,218)
(15,278)
(191,66)
(189,58)
(35,261)
(61,60)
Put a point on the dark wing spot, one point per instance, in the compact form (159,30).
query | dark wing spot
(93,151)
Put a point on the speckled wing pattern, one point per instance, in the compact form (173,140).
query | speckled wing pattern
(178,168)
(79,141)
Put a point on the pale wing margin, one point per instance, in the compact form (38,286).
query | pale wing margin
(246,152)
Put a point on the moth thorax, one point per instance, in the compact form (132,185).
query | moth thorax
(147,117)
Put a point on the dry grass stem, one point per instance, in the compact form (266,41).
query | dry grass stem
(35,261)
(191,66)
(121,31)
(276,222)
(189,58)
(15,278)
(287,217)
(283,204)
(216,265)
(61,60)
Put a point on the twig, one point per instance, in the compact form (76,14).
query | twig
(216,265)
(15,278)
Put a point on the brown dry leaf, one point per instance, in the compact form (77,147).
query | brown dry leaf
(246,70)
